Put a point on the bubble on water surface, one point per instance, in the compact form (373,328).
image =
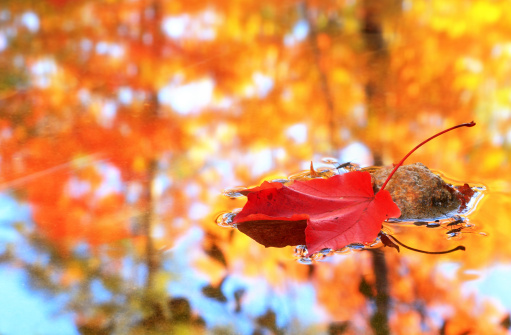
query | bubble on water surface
(234,193)
(225,219)
(301,251)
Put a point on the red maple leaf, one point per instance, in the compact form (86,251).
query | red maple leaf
(331,213)
(338,211)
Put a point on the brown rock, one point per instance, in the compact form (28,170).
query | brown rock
(418,192)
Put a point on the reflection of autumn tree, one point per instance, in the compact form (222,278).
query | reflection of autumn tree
(66,146)
(89,140)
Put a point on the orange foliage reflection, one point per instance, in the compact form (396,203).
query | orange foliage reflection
(122,121)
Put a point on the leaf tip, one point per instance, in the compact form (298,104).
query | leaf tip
(314,174)
(387,242)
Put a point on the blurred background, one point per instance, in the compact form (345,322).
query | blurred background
(122,121)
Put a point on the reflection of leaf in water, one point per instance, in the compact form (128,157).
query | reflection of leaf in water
(214,251)
(238,295)
(180,309)
(338,328)
(215,292)
(269,321)
(177,314)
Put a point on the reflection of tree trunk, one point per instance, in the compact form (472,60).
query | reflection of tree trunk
(325,87)
(377,112)
(151,36)
(147,198)
(147,223)
(379,321)
(377,68)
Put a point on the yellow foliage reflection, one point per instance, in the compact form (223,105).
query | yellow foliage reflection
(122,122)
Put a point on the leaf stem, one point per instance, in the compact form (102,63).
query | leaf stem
(459,247)
(471,124)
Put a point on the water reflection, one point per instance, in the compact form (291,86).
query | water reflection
(201,282)
(122,121)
